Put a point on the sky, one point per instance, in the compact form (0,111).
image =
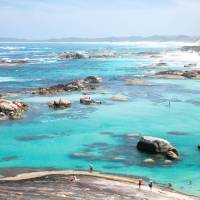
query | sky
(43,19)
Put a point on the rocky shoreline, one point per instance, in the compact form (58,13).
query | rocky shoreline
(78,85)
(56,185)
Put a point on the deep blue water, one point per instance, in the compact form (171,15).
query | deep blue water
(73,138)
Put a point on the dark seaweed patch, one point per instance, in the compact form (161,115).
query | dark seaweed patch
(9,158)
(107,133)
(111,167)
(193,102)
(33,137)
(177,133)
(39,137)
(124,153)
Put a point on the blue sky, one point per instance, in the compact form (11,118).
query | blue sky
(98,18)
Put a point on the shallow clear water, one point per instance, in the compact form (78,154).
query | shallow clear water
(99,134)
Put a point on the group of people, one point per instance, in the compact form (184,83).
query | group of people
(140,181)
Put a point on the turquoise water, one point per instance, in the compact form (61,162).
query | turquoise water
(73,138)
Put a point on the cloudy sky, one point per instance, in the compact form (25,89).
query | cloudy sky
(43,19)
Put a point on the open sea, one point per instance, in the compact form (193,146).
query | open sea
(104,135)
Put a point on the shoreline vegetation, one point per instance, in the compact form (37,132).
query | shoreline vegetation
(95,185)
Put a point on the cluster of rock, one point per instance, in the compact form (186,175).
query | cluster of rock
(88,101)
(60,104)
(79,85)
(191,48)
(103,54)
(12,109)
(12,62)
(157,146)
(73,55)
(177,74)
(161,64)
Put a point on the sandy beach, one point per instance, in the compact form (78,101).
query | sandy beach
(55,185)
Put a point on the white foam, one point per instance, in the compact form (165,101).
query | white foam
(12,48)
(7,79)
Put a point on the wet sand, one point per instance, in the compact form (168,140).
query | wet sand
(56,185)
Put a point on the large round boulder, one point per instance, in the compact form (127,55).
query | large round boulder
(157,145)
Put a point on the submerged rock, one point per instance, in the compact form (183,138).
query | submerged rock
(60,104)
(157,145)
(12,62)
(12,109)
(135,82)
(149,161)
(167,162)
(198,146)
(119,98)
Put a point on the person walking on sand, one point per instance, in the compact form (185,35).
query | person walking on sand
(151,185)
(140,183)
(91,168)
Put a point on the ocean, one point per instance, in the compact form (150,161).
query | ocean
(104,135)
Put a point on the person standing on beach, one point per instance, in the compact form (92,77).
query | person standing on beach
(91,168)
(151,185)
(140,183)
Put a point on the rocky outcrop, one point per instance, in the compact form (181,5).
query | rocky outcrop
(93,79)
(13,62)
(88,101)
(176,74)
(190,65)
(60,104)
(161,64)
(12,109)
(79,85)
(191,48)
(157,145)
(72,55)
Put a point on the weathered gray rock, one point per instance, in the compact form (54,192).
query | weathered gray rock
(157,145)
(12,109)
(60,104)
(73,55)
(87,101)
(78,85)
(93,79)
